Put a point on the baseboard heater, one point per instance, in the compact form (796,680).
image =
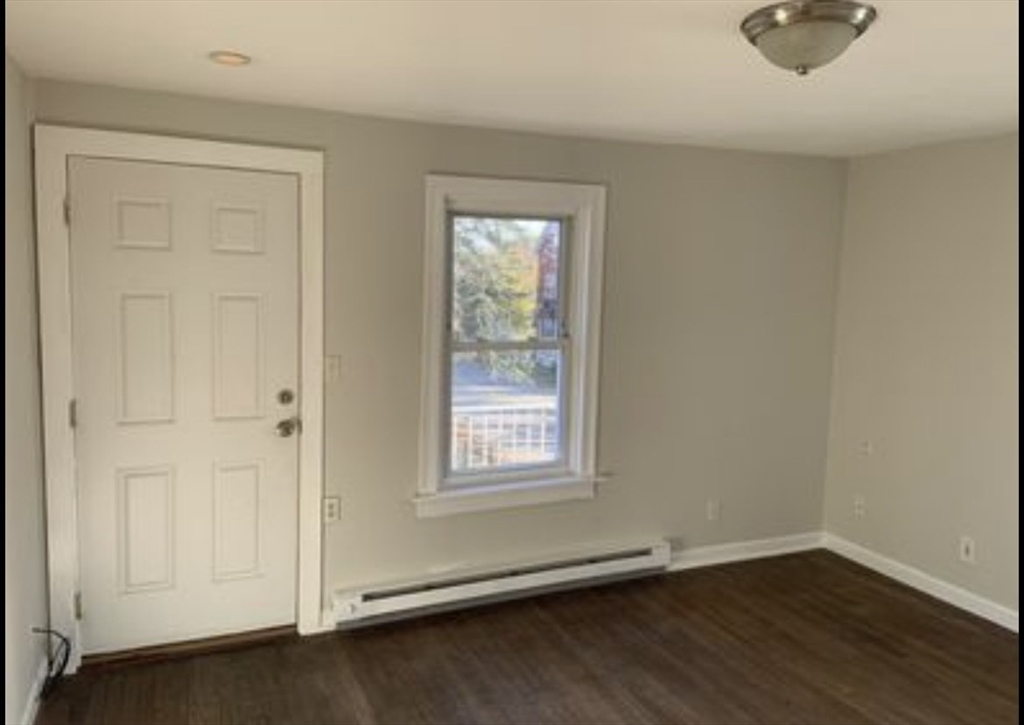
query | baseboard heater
(469,587)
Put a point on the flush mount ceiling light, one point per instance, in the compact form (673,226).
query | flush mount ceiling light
(230,58)
(805,34)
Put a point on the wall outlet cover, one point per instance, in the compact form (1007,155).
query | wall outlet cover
(332,509)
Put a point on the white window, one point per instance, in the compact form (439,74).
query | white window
(511,343)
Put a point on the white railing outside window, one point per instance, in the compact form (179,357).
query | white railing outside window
(489,436)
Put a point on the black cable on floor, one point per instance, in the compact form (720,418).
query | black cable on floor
(57,662)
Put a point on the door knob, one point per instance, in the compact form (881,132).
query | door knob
(289,426)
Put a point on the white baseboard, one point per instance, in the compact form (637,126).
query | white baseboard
(744,550)
(28,713)
(904,573)
(949,593)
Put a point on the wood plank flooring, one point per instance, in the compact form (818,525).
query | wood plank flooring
(807,638)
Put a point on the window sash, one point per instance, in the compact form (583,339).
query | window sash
(450,478)
(564,237)
(525,346)
(509,473)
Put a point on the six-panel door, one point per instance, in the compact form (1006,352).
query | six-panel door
(185,324)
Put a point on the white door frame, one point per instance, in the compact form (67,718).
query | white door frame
(53,146)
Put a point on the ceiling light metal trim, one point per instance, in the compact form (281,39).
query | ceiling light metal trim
(854,14)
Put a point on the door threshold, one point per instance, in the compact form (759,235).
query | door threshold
(189,648)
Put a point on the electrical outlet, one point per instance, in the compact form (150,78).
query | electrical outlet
(860,506)
(967,549)
(713,509)
(332,509)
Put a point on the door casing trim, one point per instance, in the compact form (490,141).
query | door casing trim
(53,146)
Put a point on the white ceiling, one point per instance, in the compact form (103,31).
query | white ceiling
(680,71)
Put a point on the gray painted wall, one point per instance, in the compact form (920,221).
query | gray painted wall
(719,291)
(25,540)
(926,364)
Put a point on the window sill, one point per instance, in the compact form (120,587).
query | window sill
(507,495)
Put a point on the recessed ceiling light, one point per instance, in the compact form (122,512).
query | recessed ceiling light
(230,57)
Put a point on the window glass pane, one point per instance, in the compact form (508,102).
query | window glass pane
(504,410)
(504,278)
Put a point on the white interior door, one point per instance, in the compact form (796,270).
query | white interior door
(185,340)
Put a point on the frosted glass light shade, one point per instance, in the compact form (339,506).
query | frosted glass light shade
(803,46)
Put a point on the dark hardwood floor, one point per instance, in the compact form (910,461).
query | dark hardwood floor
(807,638)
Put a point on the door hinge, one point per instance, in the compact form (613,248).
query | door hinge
(78,605)
(67,211)
(73,413)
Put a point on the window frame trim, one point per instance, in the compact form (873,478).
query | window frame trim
(582,206)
